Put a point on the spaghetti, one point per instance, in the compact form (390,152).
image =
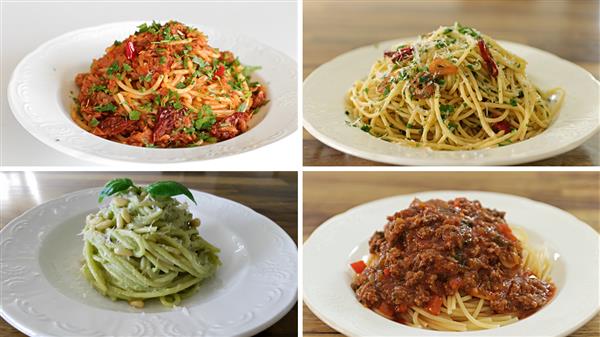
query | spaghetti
(453,266)
(165,86)
(453,89)
(141,247)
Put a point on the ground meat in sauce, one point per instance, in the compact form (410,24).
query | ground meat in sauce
(436,248)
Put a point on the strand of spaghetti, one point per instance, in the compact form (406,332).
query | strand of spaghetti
(136,92)
(471,318)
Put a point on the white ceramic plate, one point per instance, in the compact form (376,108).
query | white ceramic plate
(39,96)
(324,117)
(44,294)
(344,239)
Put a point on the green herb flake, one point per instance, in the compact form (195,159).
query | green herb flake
(114,68)
(94,122)
(206,118)
(106,108)
(162,60)
(513,102)
(101,88)
(134,115)
(248,70)
(127,68)
(200,62)
(365,128)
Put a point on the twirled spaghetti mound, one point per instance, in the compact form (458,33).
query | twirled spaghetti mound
(452,266)
(165,86)
(141,247)
(453,89)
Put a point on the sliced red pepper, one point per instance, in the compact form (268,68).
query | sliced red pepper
(129,50)
(487,57)
(358,266)
(404,53)
(220,71)
(506,231)
(502,126)
(435,305)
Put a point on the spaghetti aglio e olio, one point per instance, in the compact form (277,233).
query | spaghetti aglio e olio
(143,246)
(453,89)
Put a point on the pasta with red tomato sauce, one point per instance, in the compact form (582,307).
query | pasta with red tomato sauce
(452,266)
(166,87)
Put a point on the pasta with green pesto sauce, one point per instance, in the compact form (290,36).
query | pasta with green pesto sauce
(139,247)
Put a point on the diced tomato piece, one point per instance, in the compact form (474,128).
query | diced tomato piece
(435,305)
(455,283)
(386,310)
(402,308)
(506,231)
(358,266)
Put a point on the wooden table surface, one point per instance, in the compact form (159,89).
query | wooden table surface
(567,28)
(274,195)
(329,193)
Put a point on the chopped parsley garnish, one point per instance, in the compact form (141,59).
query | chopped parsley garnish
(180,85)
(106,107)
(101,88)
(153,28)
(366,90)
(117,43)
(409,126)
(162,60)
(452,126)
(94,122)
(513,102)
(134,115)
(177,105)
(386,91)
(365,128)
(248,70)
(146,78)
(206,118)
(448,30)
(242,107)
(446,110)
(114,68)
(127,67)
(199,61)
(468,31)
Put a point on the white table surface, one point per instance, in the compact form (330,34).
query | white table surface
(25,25)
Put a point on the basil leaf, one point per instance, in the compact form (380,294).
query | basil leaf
(114,186)
(168,189)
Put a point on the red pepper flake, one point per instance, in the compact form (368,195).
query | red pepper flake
(404,53)
(358,266)
(502,126)
(220,71)
(129,50)
(487,57)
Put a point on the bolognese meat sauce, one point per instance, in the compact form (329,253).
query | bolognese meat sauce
(435,249)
